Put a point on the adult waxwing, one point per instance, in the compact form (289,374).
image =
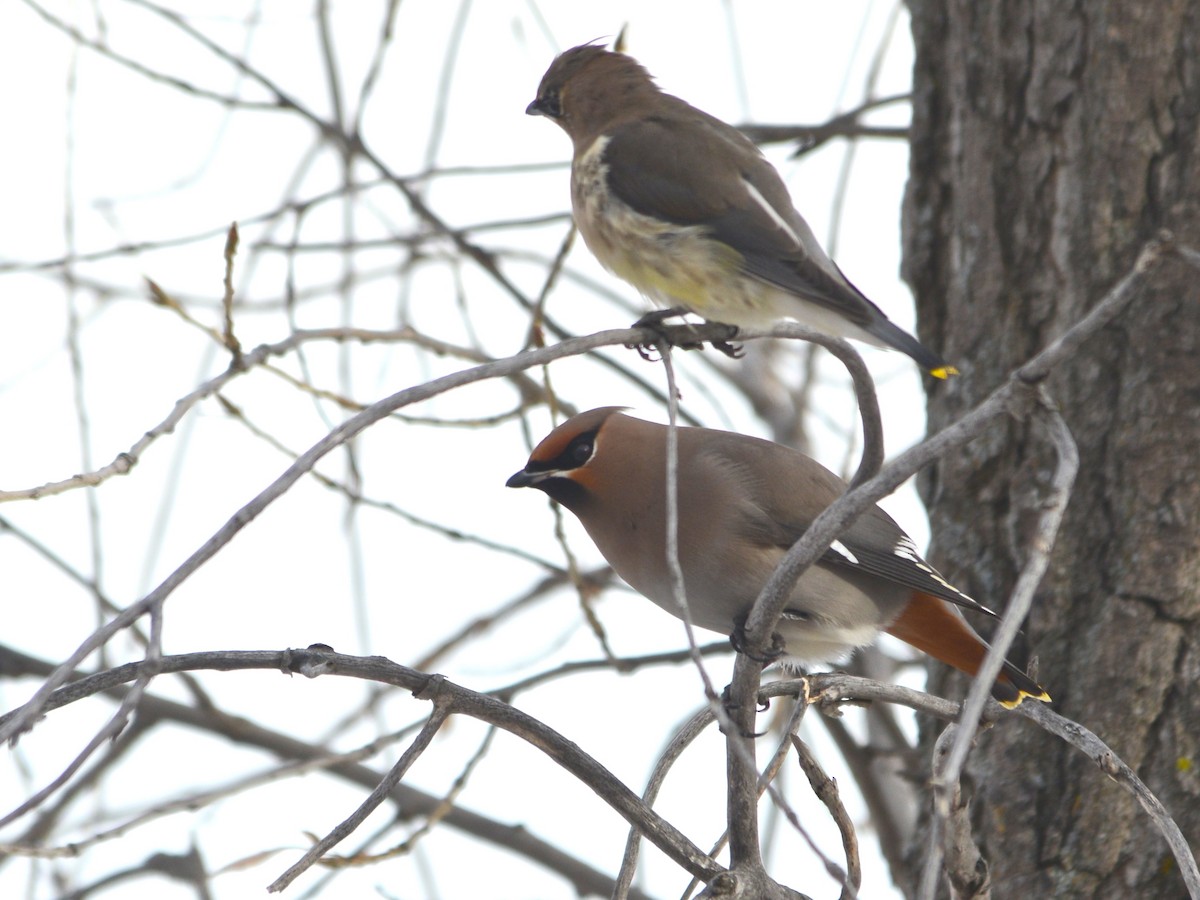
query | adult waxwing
(743,502)
(687,210)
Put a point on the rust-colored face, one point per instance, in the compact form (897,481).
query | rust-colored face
(559,464)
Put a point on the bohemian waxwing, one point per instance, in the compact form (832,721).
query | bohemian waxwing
(742,503)
(687,210)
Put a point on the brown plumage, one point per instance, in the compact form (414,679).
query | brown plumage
(689,211)
(742,503)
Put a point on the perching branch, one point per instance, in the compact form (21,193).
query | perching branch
(826,691)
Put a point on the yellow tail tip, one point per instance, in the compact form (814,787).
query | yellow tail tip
(943,372)
(1041,697)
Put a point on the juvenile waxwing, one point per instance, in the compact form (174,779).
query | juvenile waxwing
(688,210)
(743,502)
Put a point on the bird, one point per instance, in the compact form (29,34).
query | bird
(688,210)
(742,503)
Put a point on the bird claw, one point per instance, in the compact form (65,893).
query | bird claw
(733,351)
(762,704)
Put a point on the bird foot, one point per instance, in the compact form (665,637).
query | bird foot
(672,335)
(738,639)
(654,322)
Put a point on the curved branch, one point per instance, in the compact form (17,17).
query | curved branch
(827,691)
(410,803)
(456,700)
(1053,508)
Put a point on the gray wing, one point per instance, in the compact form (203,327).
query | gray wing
(718,179)
(790,490)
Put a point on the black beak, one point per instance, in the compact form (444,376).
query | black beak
(535,109)
(522,479)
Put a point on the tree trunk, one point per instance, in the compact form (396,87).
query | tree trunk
(1049,142)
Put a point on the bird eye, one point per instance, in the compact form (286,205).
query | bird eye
(581,451)
(551,104)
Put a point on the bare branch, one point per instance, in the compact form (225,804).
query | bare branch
(826,790)
(680,741)
(456,699)
(1054,507)
(382,791)
(846,125)
(409,801)
(958,857)
(827,691)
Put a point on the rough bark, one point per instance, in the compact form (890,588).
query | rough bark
(1049,141)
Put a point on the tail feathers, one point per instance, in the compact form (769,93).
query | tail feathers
(899,339)
(929,624)
(1013,686)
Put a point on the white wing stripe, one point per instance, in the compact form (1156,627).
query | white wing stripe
(842,550)
(771,212)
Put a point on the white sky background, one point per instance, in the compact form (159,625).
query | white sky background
(151,164)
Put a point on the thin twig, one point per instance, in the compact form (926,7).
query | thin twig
(382,791)
(1053,508)
(674,568)
(847,125)
(826,790)
(958,857)
(623,664)
(231,247)
(680,741)
(766,782)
